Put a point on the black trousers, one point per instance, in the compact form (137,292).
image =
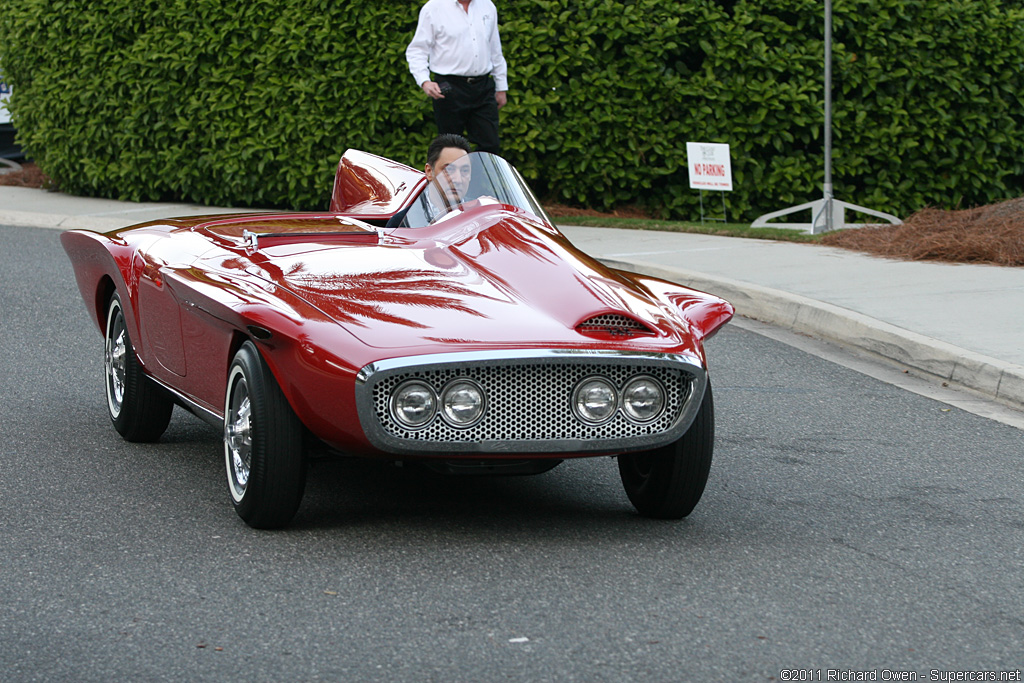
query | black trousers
(469,109)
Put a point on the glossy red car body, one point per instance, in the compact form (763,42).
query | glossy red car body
(329,298)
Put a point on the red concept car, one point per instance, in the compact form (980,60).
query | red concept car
(431,321)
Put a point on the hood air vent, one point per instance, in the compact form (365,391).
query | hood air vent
(612,325)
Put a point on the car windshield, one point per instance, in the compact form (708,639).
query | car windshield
(479,178)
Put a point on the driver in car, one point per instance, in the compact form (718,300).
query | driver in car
(448,172)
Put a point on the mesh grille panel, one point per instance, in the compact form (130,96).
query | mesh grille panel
(614,324)
(532,402)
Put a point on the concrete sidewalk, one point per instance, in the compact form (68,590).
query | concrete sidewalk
(961,324)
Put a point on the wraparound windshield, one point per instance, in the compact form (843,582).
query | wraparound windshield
(475,179)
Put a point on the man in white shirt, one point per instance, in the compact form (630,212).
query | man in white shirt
(458,41)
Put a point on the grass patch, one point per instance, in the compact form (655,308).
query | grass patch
(706,228)
(992,234)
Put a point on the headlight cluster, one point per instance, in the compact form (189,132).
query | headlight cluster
(461,403)
(595,400)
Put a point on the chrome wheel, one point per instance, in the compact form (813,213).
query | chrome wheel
(138,407)
(238,434)
(263,444)
(114,358)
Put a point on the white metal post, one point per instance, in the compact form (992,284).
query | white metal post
(827,213)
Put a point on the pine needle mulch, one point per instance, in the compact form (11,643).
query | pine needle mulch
(991,234)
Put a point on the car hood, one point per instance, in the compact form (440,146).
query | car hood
(498,278)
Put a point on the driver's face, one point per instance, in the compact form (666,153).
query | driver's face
(451,173)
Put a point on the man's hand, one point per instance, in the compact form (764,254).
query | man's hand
(433,90)
(501,97)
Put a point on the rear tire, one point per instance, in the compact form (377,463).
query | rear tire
(263,444)
(138,407)
(667,483)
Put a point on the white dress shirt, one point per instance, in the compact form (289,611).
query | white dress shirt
(453,42)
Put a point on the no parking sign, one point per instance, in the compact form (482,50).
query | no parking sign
(710,168)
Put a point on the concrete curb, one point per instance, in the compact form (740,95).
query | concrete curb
(27,219)
(996,379)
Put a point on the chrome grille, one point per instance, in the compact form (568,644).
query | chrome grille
(532,402)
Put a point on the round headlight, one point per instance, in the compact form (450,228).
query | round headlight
(462,403)
(643,399)
(595,400)
(413,404)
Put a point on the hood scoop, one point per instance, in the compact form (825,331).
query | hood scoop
(614,326)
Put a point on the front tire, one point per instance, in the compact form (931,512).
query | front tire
(667,483)
(263,444)
(138,407)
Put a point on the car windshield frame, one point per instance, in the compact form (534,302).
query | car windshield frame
(493,180)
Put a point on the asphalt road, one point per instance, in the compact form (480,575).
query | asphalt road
(847,525)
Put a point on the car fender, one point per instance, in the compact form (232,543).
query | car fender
(704,313)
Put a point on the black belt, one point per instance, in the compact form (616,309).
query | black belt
(465,79)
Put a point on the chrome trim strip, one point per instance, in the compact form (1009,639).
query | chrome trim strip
(203,413)
(501,357)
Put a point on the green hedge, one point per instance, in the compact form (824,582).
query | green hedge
(251,103)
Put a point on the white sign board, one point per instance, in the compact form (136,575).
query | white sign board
(709,166)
